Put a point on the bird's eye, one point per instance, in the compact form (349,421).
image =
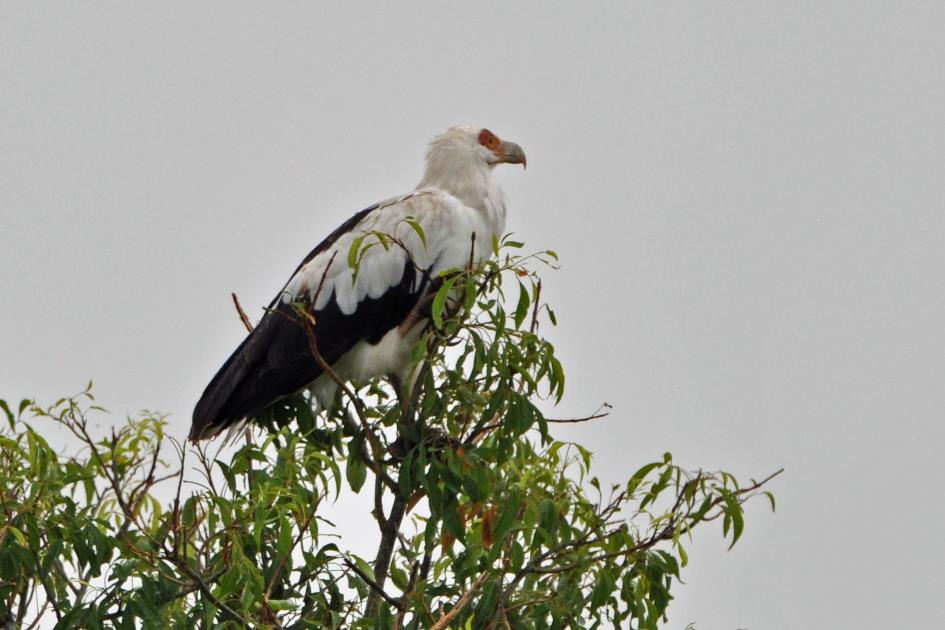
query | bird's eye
(488,139)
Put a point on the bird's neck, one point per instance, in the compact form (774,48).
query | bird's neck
(474,185)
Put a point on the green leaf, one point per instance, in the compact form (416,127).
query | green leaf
(548,521)
(521,310)
(189,512)
(399,577)
(354,252)
(284,544)
(10,418)
(439,302)
(603,587)
(452,522)
(383,239)
(476,483)
(733,511)
(364,566)
(355,471)
(558,372)
(20,538)
(259,522)
(485,608)
(412,222)
(639,476)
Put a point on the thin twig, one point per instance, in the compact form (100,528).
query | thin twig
(576,420)
(242,313)
(594,416)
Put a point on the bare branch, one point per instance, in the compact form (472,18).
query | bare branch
(597,415)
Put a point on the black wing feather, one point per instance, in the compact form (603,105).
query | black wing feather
(275,360)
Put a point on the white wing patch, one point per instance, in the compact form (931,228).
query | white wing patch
(448,226)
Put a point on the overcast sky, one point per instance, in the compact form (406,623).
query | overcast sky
(747,198)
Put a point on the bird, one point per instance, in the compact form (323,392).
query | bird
(366,317)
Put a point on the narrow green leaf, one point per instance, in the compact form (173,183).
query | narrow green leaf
(521,309)
(412,222)
(508,516)
(738,521)
(439,302)
(399,577)
(284,544)
(10,418)
(638,477)
(558,378)
(355,472)
(20,538)
(452,522)
(383,239)
(485,608)
(354,251)
(259,522)
(364,566)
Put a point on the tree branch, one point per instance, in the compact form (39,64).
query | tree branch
(385,550)
(376,589)
(443,622)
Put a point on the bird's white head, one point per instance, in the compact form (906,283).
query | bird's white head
(460,147)
(460,162)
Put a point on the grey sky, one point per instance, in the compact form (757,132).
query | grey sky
(747,198)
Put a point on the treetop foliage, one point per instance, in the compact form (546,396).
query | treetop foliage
(484,518)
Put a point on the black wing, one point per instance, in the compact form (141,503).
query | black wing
(275,360)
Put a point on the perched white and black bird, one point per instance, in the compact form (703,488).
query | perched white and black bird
(365,325)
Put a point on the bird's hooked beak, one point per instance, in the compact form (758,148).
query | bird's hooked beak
(510,153)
